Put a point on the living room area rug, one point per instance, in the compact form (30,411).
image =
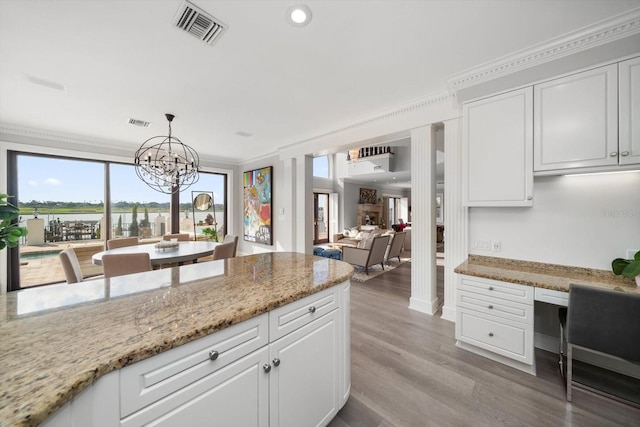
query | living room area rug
(359,274)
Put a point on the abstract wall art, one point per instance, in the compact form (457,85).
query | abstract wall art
(257,224)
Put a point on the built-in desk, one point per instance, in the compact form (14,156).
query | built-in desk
(497,305)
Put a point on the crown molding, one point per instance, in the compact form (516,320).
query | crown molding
(606,31)
(422,103)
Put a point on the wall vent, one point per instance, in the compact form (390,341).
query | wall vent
(198,23)
(140,123)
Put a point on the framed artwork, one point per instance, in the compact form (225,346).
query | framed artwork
(368,195)
(257,224)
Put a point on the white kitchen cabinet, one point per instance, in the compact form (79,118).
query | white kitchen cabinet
(495,319)
(576,121)
(236,395)
(629,143)
(498,150)
(304,381)
(288,367)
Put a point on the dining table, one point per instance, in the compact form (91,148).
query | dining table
(184,251)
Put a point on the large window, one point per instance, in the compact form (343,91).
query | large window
(321,167)
(64,202)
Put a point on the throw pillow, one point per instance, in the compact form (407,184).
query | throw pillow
(367,242)
(346,232)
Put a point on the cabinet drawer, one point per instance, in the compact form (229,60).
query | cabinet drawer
(552,297)
(290,317)
(497,289)
(149,380)
(495,306)
(510,339)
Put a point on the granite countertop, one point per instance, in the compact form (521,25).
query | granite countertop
(541,275)
(57,340)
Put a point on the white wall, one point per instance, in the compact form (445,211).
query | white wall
(582,221)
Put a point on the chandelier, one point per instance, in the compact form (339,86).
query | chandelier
(352,155)
(165,164)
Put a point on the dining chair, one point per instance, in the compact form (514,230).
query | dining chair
(182,237)
(71,266)
(121,243)
(231,238)
(224,250)
(605,322)
(121,264)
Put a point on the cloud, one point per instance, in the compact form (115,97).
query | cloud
(52,181)
(32,183)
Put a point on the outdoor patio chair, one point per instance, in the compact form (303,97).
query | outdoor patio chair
(224,250)
(231,238)
(182,237)
(71,266)
(121,243)
(121,264)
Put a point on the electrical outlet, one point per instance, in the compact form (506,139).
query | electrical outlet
(496,245)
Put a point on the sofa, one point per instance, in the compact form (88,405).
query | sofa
(357,235)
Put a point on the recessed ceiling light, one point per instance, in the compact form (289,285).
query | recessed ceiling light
(299,15)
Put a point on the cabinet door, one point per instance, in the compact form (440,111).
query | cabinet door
(629,111)
(304,380)
(236,395)
(576,120)
(498,146)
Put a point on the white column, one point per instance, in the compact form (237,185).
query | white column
(455,215)
(284,225)
(303,236)
(423,220)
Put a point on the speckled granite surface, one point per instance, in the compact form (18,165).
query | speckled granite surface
(540,275)
(57,340)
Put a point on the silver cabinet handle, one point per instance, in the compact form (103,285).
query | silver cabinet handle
(625,153)
(213,355)
(490,307)
(312,309)
(490,288)
(490,334)
(276,362)
(613,154)
(529,197)
(266,367)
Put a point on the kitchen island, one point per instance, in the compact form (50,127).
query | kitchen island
(66,347)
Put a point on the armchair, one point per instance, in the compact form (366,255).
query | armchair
(366,257)
(396,245)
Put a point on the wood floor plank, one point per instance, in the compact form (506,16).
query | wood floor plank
(407,371)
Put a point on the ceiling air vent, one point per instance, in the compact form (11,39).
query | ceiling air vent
(198,23)
(140,123)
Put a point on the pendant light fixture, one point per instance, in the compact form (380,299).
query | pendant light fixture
(165,164)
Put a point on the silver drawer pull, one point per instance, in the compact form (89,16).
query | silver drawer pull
(490,334)
(490,307)
(266,367)
(625,153)
(213,355)
(312,309)
(490,288)
(613,154)
(276,362)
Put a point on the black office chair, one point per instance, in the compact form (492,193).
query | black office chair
(608,322)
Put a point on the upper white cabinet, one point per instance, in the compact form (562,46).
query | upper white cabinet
(629,72)
(576,120)
(498,138)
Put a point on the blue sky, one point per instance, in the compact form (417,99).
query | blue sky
(53,179)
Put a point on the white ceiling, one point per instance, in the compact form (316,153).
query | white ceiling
(283,84)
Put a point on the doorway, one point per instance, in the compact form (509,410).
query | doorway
(320,218)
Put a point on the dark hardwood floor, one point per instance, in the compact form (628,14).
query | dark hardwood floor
(407,371)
